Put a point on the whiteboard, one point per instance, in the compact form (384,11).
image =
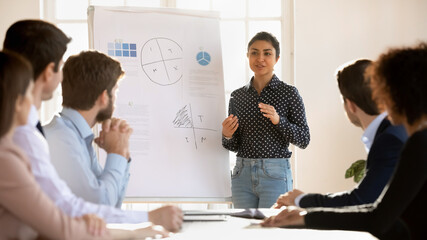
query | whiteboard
(173,98)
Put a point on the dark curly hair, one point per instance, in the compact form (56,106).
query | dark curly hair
(399,79)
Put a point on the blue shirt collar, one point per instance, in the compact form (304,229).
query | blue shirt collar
(78,121)
(369,134)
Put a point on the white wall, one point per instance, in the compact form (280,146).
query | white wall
(327,34)
(12,11)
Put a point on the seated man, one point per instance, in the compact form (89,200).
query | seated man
(44,45)
(90,82)
(382,140)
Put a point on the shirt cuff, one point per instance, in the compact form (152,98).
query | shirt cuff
(298,199)
(136,216)
(117,162)
(127,217)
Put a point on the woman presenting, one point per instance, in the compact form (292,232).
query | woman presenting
(265,116)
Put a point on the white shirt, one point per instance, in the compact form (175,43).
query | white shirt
(30,140)
(370,132)
(367,139)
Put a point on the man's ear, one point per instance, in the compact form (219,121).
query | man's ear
(103,99)
(351,106)
(48,72)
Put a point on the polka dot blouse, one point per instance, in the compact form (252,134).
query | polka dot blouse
(257,136)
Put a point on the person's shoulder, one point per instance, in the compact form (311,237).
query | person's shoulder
(24,130)
(392,135)
(388,143)
(56,122)
(284,86)
(9,152)
(241,89)
(57,125)
(397,131)
(27,137)
(241,92)
(290,91)
(60,130)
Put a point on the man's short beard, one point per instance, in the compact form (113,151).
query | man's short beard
(105,113)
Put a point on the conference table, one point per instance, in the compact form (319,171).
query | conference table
(237,228)
(246,229)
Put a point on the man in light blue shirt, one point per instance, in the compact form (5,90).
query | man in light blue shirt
(89,85)
(70,142)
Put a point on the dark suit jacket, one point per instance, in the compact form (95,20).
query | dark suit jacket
(382,158)
(399,212)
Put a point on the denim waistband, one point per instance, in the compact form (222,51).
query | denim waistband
(261,159)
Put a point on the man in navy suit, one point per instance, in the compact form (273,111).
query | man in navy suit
(382,141)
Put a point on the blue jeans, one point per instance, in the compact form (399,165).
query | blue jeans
(257,183)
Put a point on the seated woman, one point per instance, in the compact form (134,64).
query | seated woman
(399,82)
(25,211)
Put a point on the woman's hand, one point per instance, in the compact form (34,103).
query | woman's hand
(269,112)
(95,225)
(290,216)
(229,126)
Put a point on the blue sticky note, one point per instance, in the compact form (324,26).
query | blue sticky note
(125,53)
(125,45)
(118,46)
(133,53)
(111,52)
(132,46)
(118,53)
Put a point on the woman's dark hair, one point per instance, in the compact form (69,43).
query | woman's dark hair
(268,37)
(354,87)
(399,78)
(15,76)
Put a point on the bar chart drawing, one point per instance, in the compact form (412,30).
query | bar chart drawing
(161,61)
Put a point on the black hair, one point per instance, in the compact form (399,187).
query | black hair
(39,41)
(354,86)
(265,36)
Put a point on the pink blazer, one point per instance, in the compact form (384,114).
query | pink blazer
(23,204)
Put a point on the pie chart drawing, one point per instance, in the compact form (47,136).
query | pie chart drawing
(203,58)
(161,61)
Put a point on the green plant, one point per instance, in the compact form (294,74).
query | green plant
(356,170)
